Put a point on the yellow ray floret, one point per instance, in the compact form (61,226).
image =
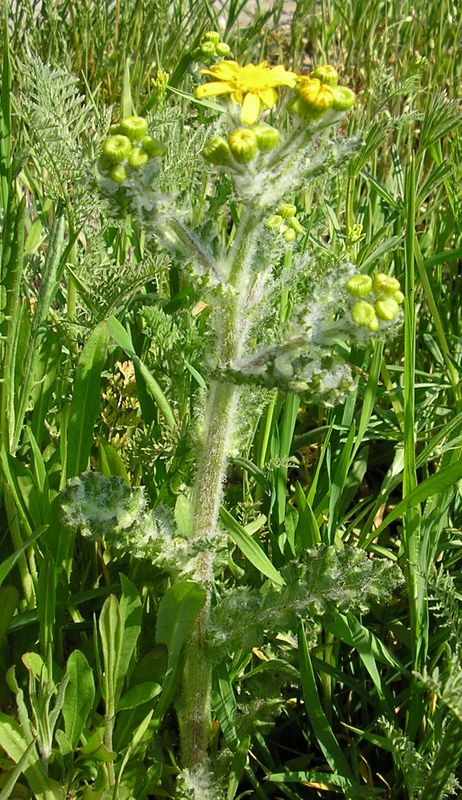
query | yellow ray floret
(251,86)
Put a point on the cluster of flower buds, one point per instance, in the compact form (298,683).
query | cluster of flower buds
(211,48)
(242,145)
(285,223)
(127,149)
(318,92)
(378,299)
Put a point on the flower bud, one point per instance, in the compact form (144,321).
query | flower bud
(359,285)
(326,73)
(290,235)
(267,137)
(216,151)
(296,226)
(207,50)
(153,147)
(398,296)
(385,284)
(137,158)
(243,145)
(386,308)
(134,127)
(363,314)
(118,173)
(344,98)
(212,36)
(273,222)
(287,210)
(222,49)
(315,98)
(116,148)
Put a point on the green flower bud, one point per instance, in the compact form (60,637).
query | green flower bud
(287,210)
(243,145)
(359,285)
(344,98)
(296,226)
(386,308)
(398,296)
(326,73)
(267,137)
(315,98)
(273,222)
(295,107)
(385,284)
(134,127)
(364,315)
(216,151)
(118,173)
(212,36)
(290,235)
(114,129)
(222,49)
(207,50)
(153,147)
(137,158)
(116,148)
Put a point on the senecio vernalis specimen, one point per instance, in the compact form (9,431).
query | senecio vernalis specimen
(254,345)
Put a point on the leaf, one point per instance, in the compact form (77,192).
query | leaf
(130,609)
(442,480)
(79,696)
(322,730)
(250,548)
(177,612)
(111,462)
(139,694)
(16,746)
(85,401)
(123,339)
(7,565)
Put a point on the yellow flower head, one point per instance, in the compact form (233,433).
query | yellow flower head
(251,86)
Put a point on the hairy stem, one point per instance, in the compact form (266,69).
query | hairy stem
(220,414)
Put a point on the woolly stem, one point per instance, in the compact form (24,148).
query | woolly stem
(194,708)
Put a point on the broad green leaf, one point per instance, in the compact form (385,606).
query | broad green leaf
(130,609)
(177,612)
(178,609)
(139,694)
(111,462)
(79,696)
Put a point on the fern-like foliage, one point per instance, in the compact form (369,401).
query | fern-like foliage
(61,129)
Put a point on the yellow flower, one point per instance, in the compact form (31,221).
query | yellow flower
(250,86)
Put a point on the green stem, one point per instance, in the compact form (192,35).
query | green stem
(219,422)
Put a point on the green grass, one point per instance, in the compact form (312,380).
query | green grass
(358,705)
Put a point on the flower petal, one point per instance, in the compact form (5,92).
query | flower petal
(224,70)
(212,89)
(282,77)
(238,97)
(250,109)
(268,97)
